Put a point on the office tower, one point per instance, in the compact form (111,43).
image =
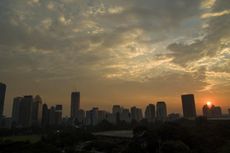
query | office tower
(116,111)
(188,104)
(212,111)
(52,116)
(81,116)
(111,118)
(58,114)
(25,115)
(161,111)
(136,114)
(2,97)
(16,110)
(101,115)
(37,111)
(94,116)
(75,104)
(150,113)
(45,115)
(125,115)
(88,117)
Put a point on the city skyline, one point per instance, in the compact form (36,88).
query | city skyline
(129,53)
(188,107)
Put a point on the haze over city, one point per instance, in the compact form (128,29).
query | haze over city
(129,53)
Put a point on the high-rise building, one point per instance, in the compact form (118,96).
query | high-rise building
(75,104)
(161,111)
(101,115)
(125,115)
(25,115)
(37,111)
(212,111)
(136,114)
(92,116)
(81,116)
(150,113)
(2,97)
(45,115)
(188,104)
(58,114)
(16,110)
(116,111)
(52,116)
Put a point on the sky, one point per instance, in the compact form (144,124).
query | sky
(127,52)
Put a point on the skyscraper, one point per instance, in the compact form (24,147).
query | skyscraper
(25,115)
(150,113)
(2,97)
(16,110)
(75,104)
(136,114)
(58,114)
(37,111)
(161,111)
(45,115)
(188,104)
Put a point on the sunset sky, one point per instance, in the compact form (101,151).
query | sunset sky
(127,52)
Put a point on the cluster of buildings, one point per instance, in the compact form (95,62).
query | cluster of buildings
(30,111)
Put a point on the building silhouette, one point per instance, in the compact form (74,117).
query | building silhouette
(188,104)
(229,111)
(2,97)
(25,111)
(16,111)
(37,111)
(161,111)
(212,111)
(136,114)
(125,115)
(150,113)
(58,114)
(45,115)
(116,111)
(75,104)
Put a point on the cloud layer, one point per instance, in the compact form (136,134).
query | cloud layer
(157,48)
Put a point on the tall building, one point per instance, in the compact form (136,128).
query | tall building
(75,104)
(229,111)
(212,111)
(45,115)
(25,115)
(58,114)
(136,114)
(16,110)
(81,116)
(150,113)
(2,97)
(116,111)
(161,111)
(125,115)
(188,104)
(37,111)
(52,116)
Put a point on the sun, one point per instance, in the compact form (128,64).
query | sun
(209,104)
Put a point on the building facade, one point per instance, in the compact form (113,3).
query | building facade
(188,104)
(2,97)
